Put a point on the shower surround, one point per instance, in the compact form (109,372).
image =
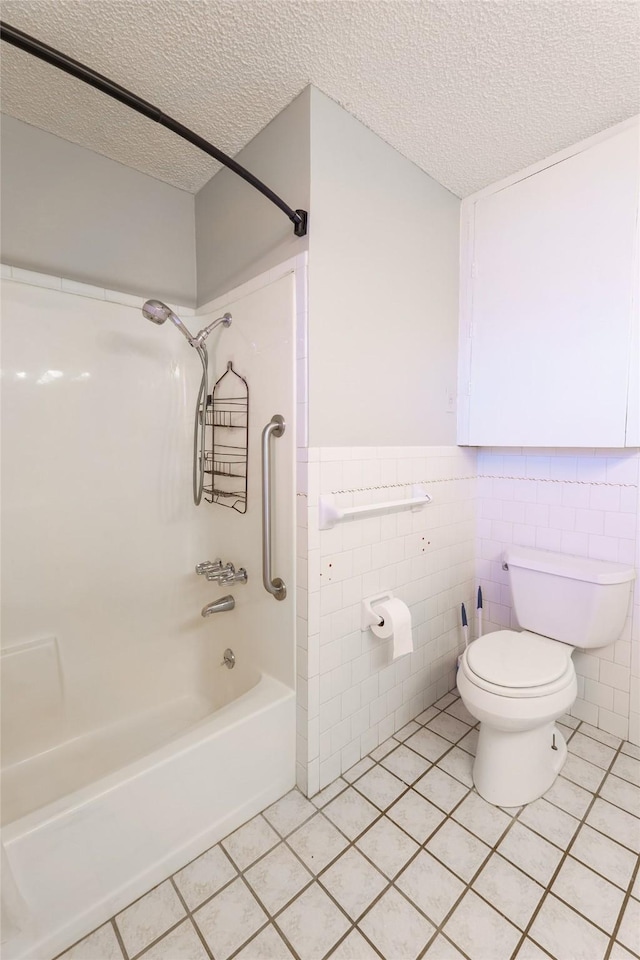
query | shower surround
(128,747)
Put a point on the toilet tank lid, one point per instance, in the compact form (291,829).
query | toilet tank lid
(574,568)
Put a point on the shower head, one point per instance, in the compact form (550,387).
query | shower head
(204,333)
(158,312)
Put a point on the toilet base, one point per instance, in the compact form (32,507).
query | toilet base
(511,769)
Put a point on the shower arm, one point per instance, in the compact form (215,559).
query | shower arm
(81,72)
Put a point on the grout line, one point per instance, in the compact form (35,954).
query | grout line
(119,938)
(563,860)
(315,877)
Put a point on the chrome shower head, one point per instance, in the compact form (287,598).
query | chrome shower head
(158,312)
(204,333)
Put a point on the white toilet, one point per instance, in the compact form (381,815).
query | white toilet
(517,683)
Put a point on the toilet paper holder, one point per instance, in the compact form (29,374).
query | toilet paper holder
(368,617)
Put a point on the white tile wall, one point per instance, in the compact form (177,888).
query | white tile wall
(352,695)
(582,502)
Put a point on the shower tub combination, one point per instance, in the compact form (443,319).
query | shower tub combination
(97,822)
(128,746)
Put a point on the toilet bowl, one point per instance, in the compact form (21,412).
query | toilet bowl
(517,683)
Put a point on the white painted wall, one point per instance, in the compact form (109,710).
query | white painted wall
(383,288)
(239,233)
(69,212)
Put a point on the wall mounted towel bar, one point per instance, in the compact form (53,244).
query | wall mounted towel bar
(330,514)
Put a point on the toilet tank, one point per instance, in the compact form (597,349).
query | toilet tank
(576,600)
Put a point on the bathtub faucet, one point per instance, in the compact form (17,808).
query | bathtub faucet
(219,606)
(228,574)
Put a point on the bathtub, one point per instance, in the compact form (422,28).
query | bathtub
(75,860)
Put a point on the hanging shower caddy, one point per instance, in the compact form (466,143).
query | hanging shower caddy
(227,414)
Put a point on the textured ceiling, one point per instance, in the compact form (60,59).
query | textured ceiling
(470,90)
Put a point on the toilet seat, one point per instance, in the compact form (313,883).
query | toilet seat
(513,664)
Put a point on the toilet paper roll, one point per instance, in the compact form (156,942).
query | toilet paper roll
(397,623)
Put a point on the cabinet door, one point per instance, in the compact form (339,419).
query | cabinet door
(551,295)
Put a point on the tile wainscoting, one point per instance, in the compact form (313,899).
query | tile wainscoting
(580,502)
(352,695)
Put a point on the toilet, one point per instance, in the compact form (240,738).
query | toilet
(518,682)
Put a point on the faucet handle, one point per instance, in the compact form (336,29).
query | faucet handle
(221,574)
(208,567)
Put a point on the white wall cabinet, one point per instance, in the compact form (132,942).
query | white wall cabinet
(549,344)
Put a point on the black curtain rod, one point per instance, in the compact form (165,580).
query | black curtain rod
(60,60)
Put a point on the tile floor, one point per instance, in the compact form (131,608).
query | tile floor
(401,859)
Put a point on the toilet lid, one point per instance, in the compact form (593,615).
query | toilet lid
(511,659)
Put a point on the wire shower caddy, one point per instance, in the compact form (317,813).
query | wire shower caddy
(226,454)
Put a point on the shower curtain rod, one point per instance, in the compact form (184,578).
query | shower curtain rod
(60,60)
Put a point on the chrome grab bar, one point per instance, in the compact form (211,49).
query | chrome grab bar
(274,586)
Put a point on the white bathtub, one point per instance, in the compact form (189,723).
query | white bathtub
(84,856)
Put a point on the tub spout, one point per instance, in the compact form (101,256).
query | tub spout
(219,606)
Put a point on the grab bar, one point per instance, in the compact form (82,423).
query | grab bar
(274,586)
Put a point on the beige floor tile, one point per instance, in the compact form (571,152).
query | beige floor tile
(591,895)
(534,855)
(458,849)
(622,794)
(317,842)
(353,882)
(587,730)
(405,764)
(416,816)
(148,918)
(481,818)
(476,927)
(509,890)
(354,947)
(603,855)
(387,846)
(229,919)
(432,887)
(615,823)
(458,764)
(183,943)
(628,768)
(448,727)
(428,744)
(459,711)
(580,771)
(203,877)
(406,731)
(351,813)
(629,932)
(592,750)
(440,788)
(329,793)
(250,841)
(550,822)
(396,928)
(358,769)
(470,743)
(102,944)
(569,797)
(289,813)
(277,878)
(427,715)
(312,923)
(442,949)
(380,787)
(267,945)
(563,933)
